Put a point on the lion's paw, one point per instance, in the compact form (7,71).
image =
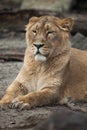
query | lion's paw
(18,103)
(3,105)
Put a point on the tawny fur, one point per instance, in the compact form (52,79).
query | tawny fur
(53,75)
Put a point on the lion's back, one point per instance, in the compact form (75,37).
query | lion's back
(77,80)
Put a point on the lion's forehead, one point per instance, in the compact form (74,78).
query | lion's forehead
(47,25)
(49,19)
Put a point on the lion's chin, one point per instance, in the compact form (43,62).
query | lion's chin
(40,58)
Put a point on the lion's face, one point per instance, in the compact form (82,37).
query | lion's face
(45,36)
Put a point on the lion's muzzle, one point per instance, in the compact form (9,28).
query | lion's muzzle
(38,45)
(37,52)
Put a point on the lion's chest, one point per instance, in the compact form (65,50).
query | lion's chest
(38,82)
(42,80)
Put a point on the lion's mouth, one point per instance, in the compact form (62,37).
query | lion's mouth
(39,56)
(37,52)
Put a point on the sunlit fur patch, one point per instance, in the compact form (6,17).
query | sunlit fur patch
(40,57)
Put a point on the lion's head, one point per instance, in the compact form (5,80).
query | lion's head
(47,36)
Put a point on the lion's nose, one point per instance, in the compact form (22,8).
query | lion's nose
(38,45)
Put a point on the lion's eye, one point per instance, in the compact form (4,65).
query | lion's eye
(34,32)
(50,32)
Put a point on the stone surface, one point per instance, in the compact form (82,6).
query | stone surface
(10,4)
(64,119)
(13,42)
(54,5)
(79,41)
(8,72)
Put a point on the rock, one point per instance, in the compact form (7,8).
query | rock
(79,5)
(12,48)
(84,44)
(78,41)
(9,4)
(13,42)
(8,72)
(54,5)
(64,120)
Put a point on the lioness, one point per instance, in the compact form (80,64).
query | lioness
(52,71)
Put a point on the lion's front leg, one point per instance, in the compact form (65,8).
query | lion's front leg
(12,92)
(43,97)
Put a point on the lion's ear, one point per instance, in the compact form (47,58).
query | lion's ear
(31,21)
(66,24)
